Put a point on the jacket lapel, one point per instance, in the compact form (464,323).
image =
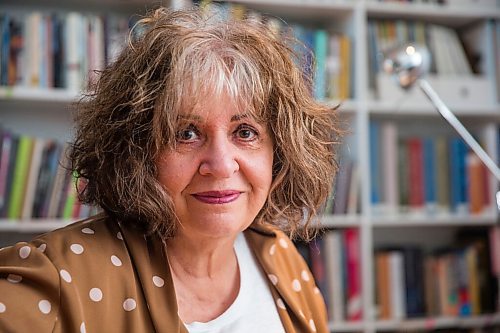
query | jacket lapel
(151,265)
(269,251)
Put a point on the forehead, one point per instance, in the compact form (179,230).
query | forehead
(218,106)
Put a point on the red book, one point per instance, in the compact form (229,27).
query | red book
(353,263)
(416,172)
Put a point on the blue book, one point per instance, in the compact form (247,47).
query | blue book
(454,152)
(374,162)
(320,53)
(4,48)
(458,174)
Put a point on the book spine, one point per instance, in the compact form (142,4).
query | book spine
(19,177)
(354,300)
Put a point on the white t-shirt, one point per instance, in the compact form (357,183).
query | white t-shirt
(254,309)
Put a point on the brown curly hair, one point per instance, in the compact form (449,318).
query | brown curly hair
(172,60)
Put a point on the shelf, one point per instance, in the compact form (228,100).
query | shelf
(62,96)
(424,220)
(454,16)
(346,327)
(295,9)
(439,323)
(340,221)
(401,108)
(33,226)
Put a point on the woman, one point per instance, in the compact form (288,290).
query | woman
(204,149)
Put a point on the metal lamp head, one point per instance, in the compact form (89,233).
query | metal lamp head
(407,63)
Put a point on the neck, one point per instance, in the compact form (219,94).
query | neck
(201,258)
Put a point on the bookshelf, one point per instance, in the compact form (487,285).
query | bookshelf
(45,113)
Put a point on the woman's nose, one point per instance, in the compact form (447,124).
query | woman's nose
(219,158)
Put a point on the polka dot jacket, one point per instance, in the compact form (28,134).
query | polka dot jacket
(99,276)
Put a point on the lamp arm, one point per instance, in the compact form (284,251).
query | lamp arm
(457,125)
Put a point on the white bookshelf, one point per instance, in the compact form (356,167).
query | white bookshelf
(21,107)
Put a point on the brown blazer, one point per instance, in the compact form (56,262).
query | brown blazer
(99,276)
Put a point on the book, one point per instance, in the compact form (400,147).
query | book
(4,166)
(416,174)
(32,179)
(413,281)
(320,53)
(342,184)
(354,308)
(19,177)
(318,267)
(475,183)
(383,285)
(397,283)
(375,181)
(333,249)
(430,191)
(389,141)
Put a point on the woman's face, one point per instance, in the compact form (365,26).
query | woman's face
(220,172)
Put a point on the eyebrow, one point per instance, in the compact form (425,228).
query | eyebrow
(236,117)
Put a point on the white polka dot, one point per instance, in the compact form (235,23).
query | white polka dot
(119,235)
(88,231)
(283,243)
(305,275)
(44,306)
(296,285)
(316,290)
(129,304)
(95,294)
(42,247)
(14,278)
(280,303)
(312,325)
(116,261)
(24,252)
(158,281)
(65,275)
(2,307)
(272,249)
(273,278)
(82,328)
(76,248)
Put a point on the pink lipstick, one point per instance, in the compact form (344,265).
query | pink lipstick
(217,197)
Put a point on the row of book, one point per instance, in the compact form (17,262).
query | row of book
(344,199)
(447,53)
(451,282)
(449,3)
(57,50)
(425,174)
(34,182)
(334,259)
(323,54)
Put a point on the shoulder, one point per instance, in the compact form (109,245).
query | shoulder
(83,238)
(273,247)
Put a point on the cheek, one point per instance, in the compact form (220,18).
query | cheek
(172,173)
(262,169)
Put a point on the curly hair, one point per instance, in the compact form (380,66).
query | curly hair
(173,59)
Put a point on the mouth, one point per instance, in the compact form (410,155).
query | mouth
(217,197)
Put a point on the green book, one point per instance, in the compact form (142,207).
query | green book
(70,198)
(20,176)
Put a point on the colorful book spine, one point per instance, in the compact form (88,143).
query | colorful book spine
(19,177)
(353,266)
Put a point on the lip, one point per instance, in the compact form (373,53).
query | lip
(217,197)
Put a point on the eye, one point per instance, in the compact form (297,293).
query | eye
(246,133)
(188,134)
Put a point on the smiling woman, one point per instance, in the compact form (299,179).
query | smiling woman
(205,150)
